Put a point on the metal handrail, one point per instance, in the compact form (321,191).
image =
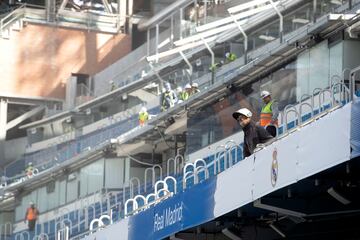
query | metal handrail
(218,156)
(135,206)
(141,197)
(41,236)
(152,169)
(63,224)
(202,169)
(174,182)
(178,158)
(186,176)
(231,145)
(288,109)
(20,235)
(301,109)
(156,190)
(345,94)
(315,92)
(137,180)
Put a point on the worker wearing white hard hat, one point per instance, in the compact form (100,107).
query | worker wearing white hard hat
(143,116)
(29,170)
(185,93)
(265,94)
(269,112)
(168,98)
(253,134)
(230,57)
(195,88)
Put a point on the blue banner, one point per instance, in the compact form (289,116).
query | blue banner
(183,210)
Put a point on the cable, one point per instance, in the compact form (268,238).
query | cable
(162,136)
(134,159)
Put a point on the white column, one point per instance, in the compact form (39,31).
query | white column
(3,122)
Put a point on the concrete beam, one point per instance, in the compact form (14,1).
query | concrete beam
(23,117)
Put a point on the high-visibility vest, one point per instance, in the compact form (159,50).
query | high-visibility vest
(266,115)
(213,67)
(31,214)
(232,57)
(143,117)
(170,102)
(184,95)
(29,170)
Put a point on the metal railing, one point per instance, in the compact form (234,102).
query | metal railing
(35,13)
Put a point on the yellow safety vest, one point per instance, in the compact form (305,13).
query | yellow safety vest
(184,95)
(266,115)
(143,117)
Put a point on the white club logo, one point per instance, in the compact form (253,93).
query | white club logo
(274,168)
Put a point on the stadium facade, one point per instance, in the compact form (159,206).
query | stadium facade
(76,74)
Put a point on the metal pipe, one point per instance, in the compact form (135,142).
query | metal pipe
(148,42)
(157,43)
(245,37)
(314,10)
(187,62)
(281,18)
(181,20)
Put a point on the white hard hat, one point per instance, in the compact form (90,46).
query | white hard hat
(179,89)
(143,109)
(264,94)
(31,203)
(30,163)
(188,86)
(242,111)
(227,54)
(195,85)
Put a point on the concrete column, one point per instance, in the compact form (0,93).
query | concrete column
(3,122)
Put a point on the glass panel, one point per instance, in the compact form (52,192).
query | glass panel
(62,192)
(72,190)
(91,177)
(319,66)
(44,201)
(336,61)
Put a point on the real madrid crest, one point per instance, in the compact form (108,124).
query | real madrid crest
(274,168)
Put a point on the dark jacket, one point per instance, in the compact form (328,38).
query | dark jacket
(254,135)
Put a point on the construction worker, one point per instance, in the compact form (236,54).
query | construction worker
(230,57)
(31,216)
(112,85)
(253,134)
(143,116)
(269,113)
(195,88)
(168,98)
(185,94)
(29,170)
(215,66)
